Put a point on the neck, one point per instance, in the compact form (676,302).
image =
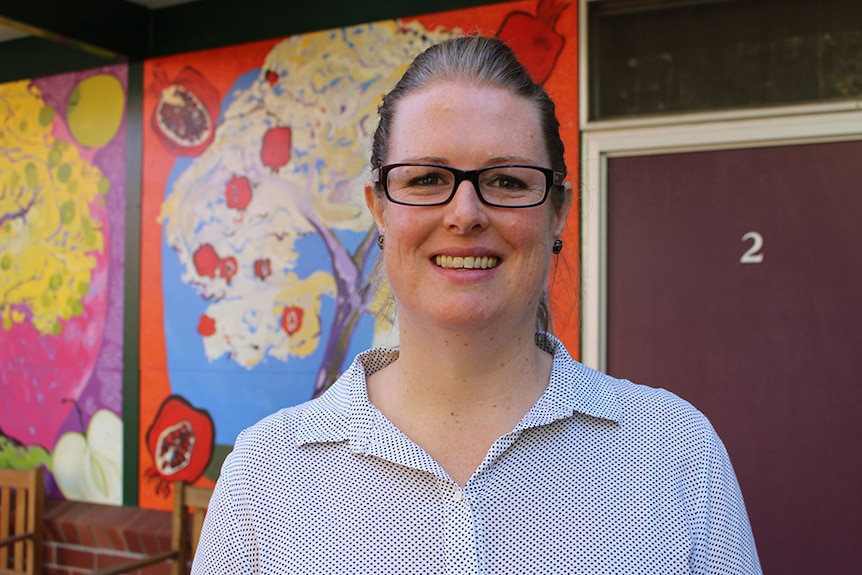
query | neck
(447,371)
(455,392)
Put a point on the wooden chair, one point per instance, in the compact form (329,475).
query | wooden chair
(187,519)
(22,504)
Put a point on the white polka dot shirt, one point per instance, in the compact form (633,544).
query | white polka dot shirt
(600,476)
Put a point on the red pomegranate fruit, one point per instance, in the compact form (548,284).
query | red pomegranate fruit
(228,268)
(186,113)
(180,441)
(275,148)
(262,268)
(291,320)
(533,38)
(238,193)
(206,261)
(206,325)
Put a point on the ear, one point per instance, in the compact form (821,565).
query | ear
(376,205)
(560,217)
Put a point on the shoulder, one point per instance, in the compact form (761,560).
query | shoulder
(269,438)
(281,433)
(651,416)
(669,428)
(279,425)
(629,404)
(643,402)
(327,419)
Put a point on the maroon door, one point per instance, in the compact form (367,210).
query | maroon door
(735,281)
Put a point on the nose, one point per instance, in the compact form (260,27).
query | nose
(466,212)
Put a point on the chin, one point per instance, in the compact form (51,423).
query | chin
(464,317)
(467,318)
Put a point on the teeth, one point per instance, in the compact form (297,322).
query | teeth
(469,262)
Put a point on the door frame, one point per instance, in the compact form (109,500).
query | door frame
(683,133)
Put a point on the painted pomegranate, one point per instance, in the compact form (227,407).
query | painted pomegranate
(533,38)
(186,113)
(206,325)
(275,148)
(228,268)
(262,268)
(180,441)
(291,319)
(238,193)
(206,260)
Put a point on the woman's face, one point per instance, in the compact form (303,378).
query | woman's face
(468,127)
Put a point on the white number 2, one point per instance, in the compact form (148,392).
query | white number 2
(752,255)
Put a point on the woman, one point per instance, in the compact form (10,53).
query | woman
(479,445)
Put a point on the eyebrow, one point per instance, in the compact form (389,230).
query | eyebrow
(495,161)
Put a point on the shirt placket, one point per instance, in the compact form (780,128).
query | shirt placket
(460,534)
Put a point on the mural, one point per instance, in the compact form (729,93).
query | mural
(62,225)
(256,242)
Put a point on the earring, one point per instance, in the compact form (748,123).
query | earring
(380,242)
(558,246)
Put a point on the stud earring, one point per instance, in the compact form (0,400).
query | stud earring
(380,242)
(558,246)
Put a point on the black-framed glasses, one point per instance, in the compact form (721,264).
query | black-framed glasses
(504,186)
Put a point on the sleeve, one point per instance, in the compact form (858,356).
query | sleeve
(225,546)
(723,540)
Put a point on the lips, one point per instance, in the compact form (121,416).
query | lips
(466,262)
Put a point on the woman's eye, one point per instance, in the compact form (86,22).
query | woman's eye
(506,182)
(427,180)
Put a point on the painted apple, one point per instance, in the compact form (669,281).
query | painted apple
(88,467)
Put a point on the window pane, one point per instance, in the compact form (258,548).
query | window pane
(649,57)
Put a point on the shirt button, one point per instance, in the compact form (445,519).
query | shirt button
(458,496)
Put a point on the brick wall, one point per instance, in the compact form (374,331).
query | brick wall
(81,537)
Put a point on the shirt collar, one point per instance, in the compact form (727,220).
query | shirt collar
(573,388)
(344,412)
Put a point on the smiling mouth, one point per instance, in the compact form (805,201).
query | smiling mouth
(467,262)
